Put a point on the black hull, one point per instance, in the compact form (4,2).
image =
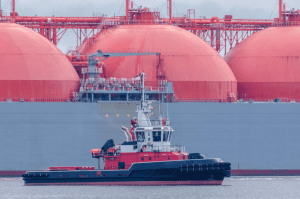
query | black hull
(188,172)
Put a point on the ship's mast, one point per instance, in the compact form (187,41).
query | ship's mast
(0,9)
(280,12)
(143,86)
(13,7)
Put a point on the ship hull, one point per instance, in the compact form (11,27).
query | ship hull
(186,172)
(133,183)
(256,136)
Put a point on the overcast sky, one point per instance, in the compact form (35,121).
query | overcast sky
(240,9)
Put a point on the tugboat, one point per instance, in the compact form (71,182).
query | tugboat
(145,158)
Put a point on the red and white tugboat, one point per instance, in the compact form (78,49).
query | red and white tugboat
(146,158)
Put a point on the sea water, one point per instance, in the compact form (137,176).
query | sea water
(234,187)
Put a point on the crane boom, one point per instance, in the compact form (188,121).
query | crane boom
(92,62)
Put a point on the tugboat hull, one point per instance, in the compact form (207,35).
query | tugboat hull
(186,172)
(133,183)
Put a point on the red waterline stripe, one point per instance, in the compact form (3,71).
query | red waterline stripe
(11,173)
(133,183)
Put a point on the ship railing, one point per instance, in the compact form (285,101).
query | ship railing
(284,99)
(115,80)
(6,20)
(154,123)
(102,85)
(100,154)
(131,51)
(166,148)
(286,23)
(122,84)
(253,20)
(173,148)
(124,88)
(199,100)
(260,100)
(135,22)
(34,100)
(94,70)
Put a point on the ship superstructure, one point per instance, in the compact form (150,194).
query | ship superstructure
(147,141)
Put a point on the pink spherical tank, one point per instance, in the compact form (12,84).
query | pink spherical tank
(195,68)
(267,64)
(32,68)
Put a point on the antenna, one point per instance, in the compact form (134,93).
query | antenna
(13,7)
(99,163)
(280,11)
(143,87)
(127,11)
(159,109)
(167,110)
(169,7)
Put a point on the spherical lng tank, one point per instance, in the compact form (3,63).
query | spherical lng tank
(32,68)
(267,64)
(195,68)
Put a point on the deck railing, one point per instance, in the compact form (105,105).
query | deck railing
(245,100)
(199,100)
(34,100)
(167,148)
(172,148)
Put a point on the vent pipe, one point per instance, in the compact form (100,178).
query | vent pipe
(280,11)
(127,10)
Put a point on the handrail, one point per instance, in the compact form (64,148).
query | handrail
(166,148)
(34,100)
(76,94)
(199,100)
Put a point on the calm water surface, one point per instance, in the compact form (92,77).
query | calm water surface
(234,187)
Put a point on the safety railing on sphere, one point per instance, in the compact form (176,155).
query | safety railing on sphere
(260,100)
(34,100)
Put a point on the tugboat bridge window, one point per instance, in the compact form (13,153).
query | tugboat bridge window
(166,136)
(170,137)
(156,136)
(149,137)
(140,136)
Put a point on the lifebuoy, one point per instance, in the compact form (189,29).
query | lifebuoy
(144,148)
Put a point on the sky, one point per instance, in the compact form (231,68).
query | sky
(240,9)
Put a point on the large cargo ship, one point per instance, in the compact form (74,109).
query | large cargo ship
(243,108)
(35,136)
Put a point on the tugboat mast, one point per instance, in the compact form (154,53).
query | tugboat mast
(142,75)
